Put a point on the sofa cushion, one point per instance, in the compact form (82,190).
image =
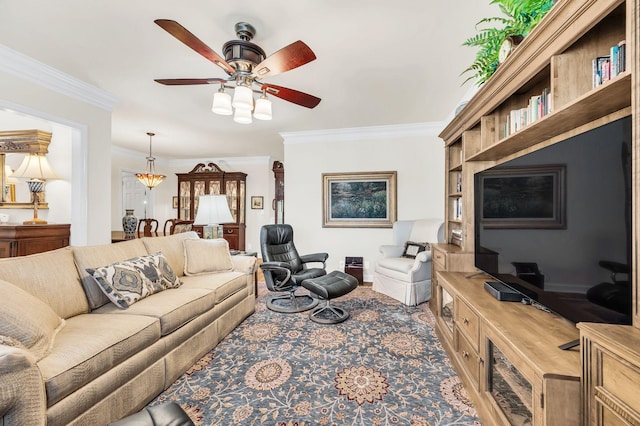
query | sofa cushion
(27,321)
(172,248)
(91,257)
(223,284)
(207,256)
(90,345)
(173,307)
(126,282)
(51,277)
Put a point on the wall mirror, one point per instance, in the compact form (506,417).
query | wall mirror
(20,142)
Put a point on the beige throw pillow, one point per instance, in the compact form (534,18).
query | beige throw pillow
(27,320)
(206,256)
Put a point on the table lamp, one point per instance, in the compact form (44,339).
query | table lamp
(213,210)
(37,169)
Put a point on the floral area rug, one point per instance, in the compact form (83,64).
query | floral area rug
(382,366)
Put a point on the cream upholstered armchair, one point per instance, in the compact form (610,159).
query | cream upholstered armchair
(404,272)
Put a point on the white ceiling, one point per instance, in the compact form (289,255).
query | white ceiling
(378,63)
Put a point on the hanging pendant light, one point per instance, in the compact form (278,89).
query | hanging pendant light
(149,178)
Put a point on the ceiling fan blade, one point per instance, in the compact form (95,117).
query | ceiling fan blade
(285,59)
(182,34)
(188,81)
(291,95)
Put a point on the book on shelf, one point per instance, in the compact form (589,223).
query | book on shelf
(459,182)
(604,68)
(538,107)
(457,208)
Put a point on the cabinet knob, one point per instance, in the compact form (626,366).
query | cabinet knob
(465,354)
(465,320)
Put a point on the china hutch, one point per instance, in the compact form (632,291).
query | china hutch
(206,179)
(507,354)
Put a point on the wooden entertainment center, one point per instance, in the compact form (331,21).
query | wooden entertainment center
(507,354)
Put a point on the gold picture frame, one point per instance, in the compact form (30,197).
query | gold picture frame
(257,202)
(359,199)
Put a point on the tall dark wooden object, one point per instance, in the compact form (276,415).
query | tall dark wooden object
(278,202)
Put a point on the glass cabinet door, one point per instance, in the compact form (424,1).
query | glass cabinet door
(446,310)
(184,202)
(242,198)
(232,197)
(214,187)
(509,388)
(198,190)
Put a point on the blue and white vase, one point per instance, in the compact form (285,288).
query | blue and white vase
(129,224)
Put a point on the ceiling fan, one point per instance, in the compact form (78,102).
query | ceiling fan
(245,64)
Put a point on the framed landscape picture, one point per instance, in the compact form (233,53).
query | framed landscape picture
(359,200)
(523,197)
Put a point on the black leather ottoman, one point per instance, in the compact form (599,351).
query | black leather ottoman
(327,287)
(169,414)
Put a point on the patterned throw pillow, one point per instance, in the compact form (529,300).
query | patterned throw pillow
(127,282)
(411,249)
(167,274)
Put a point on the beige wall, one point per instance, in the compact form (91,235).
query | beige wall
(414,151)
(90,138)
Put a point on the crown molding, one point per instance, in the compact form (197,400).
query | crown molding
(364,133)
(23,66)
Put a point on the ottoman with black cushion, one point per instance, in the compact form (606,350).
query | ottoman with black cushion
(327,287)
(169,414)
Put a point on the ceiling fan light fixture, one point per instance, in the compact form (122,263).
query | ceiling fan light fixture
(263,108)
(243,98)
(222,103)
(242,116)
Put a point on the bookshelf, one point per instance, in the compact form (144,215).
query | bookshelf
(556,59)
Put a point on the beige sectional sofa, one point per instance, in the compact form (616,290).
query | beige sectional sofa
(69,355)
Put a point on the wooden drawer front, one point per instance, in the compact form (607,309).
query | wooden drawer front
(230,231)
(467,321)
(619,384)
(439,259)
(469,357)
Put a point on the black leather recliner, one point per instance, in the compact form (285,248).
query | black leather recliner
(284,269)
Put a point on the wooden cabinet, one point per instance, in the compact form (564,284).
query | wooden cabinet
(556,59)
(446,257)
(507,355)
(611,374)
(278,202)
(207,179)
(22,240)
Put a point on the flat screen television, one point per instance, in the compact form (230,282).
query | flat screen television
(555,225)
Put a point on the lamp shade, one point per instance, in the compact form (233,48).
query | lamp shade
(243,98)
(263,109)
(222,103)
(242,116)
(35,166)
(213,210)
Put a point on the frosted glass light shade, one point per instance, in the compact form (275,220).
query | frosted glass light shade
(243,98)
(35,166)
(242,116)
(222,103)
(213,210)
(263,109)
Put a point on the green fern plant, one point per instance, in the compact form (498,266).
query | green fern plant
(520,16)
